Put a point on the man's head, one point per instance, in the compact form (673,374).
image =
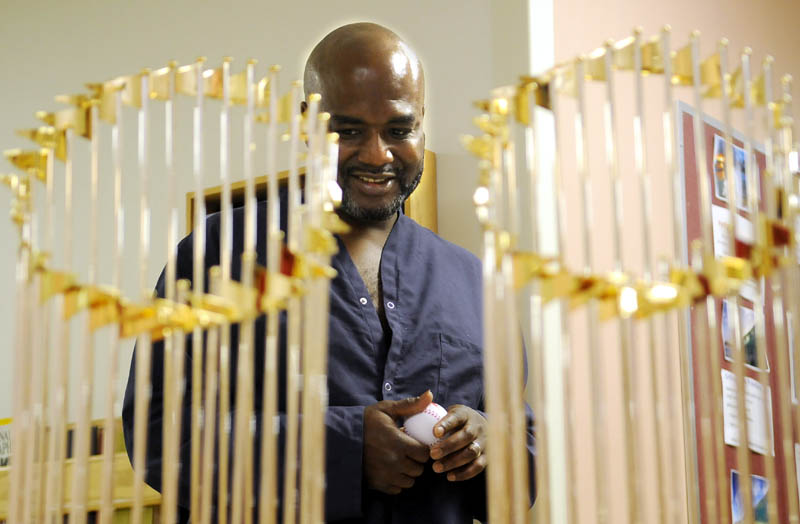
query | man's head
(373,86)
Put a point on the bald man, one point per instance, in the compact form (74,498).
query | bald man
(405,308)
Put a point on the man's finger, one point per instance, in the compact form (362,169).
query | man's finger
(456,416)
(407,406)
(453,442)
(471,470)
(416,451)
(403,481)
(457,459)
(412,468)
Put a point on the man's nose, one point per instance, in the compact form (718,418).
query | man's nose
(374,151)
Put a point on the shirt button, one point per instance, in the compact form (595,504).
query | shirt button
(387,387)
(363,301)
(390,305)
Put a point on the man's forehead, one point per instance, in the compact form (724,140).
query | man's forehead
(372,111)
(363,87)
(394,73)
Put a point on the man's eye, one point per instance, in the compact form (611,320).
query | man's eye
(347,132)
(400,132)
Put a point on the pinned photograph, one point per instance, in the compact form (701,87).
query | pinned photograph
(747,324)
(721,177)
(759,489)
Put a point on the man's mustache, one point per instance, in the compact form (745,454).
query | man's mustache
(372,170)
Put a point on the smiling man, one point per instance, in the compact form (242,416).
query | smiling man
(405,310)
(423,331)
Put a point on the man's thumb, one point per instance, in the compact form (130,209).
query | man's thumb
(408,406)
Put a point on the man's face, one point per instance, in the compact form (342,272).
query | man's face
(378,114)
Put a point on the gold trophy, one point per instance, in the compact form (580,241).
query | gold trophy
(43,483)
(659,450)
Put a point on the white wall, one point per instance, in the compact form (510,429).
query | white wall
(50,48)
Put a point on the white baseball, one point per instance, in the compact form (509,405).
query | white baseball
(420,426)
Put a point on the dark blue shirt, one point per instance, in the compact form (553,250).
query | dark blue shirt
(431,292)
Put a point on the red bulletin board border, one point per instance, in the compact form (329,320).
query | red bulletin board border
(693,231)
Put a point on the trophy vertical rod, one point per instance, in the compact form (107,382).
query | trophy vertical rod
(513,348)
(320,309)
(209,427)
(248,271)
(107,493)
(503,245)
(721,468)
(21,419)
(52,413)
(758,304)
(779,143)
(705,404)
(514,357)
(596,360)
(31,347)
(44,450)
(788,272)
(535,388)
(269,450)
(640,160)
(243,451)
(63,336)
(776,210)
(632,448)
(225,253)
(178,356)
(200,419)
(792,149)
(26,353)
(174,341)
(294,322)
(144,343)
(87,353)
(306,435)
(315,360)
(39,370)
(571,473)
(224,407)
(686,416)
(771,211)
(485,208)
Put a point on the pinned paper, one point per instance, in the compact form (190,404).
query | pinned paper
(757,422)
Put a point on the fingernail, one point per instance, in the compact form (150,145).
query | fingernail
(439,431)
(436,453)
(437,467)
(451,477)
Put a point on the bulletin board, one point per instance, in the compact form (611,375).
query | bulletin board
(758,420)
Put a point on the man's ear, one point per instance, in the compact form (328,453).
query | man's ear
(303,107)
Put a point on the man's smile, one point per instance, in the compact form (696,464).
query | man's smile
(372,184)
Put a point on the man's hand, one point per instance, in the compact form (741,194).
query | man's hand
(392,459)
(459,453)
